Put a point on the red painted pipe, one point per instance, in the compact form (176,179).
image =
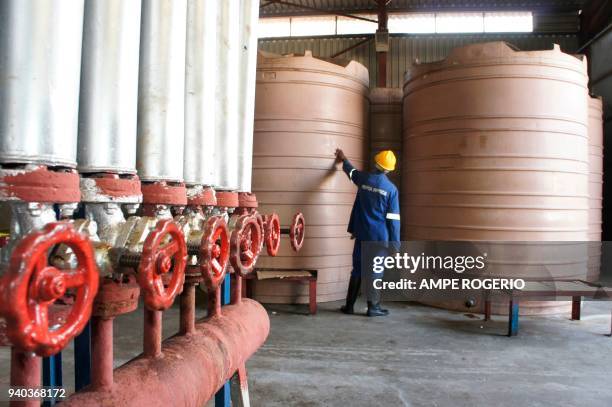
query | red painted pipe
(192,368)
(152,338)
(236,289)
(187,309)
(214,301)
(25,372)
(102,352)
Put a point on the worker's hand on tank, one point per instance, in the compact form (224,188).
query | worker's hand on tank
(340,157)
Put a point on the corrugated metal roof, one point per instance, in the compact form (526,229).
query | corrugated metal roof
(406,49)
(272,8)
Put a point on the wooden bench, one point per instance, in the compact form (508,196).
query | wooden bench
(286,274)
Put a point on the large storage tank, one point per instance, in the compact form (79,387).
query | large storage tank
(306,107)
(386,126)
(595,184)
(496,149)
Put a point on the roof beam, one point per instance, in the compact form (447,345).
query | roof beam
(303,10)
(313,11)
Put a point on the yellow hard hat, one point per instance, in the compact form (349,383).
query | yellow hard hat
(386,160)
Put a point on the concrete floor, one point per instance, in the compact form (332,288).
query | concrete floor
(421,356)
(418,356)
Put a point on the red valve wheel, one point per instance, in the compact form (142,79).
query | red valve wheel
(273,234)
(214,251)
(262,226)
(160,256)
(245,244)
(297,231)
(31,286)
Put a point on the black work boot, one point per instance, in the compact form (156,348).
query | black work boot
(351,295)
(374,310)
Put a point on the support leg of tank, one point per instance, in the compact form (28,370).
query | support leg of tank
(487,310)
(240,388)
(513,317)
(312,295)
(576,303)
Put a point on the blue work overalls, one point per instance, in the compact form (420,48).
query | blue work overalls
(375,215)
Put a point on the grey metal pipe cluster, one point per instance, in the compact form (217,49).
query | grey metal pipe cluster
(109,86)
(249,16)
(201,73)
(220,97)
(226,115)
(166,87)
(40,62)
(161,90)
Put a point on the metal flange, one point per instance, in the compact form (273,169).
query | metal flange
(37,183)
(164,193)
(109,187)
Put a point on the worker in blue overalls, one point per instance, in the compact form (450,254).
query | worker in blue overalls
(375,218)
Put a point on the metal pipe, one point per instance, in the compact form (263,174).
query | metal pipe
(594,38)
(152,337)
(187,310)
(249,16)
(226,116)
(109,86)
(236,289)
(102,352)
(40,62)
(352,47)
(25,372)
(200,93)
(193,367)
(161,90)
(214,301)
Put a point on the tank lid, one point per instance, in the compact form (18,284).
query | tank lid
(337,66)
(497,52)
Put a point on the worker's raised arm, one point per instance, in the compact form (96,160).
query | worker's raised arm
(353,174)
(393,219)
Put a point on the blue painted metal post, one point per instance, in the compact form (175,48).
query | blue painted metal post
(222,398)
(82,358)
(513,318)
(52,374)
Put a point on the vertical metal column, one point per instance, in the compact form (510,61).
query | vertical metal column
(52,374)
(223,396)
(82,358)
(381,56)
(249,16)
